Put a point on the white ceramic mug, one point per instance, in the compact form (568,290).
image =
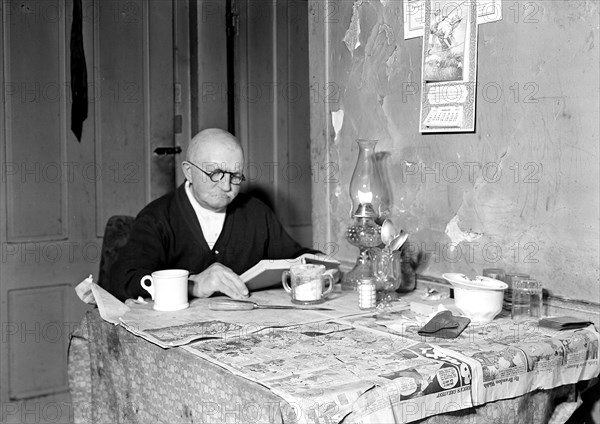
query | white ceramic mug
(307,283)
(168,288)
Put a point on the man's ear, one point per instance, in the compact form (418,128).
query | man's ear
(187,170)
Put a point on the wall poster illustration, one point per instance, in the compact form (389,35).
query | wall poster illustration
(449,66)
(414,15)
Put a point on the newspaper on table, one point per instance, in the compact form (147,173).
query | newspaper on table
(177,328)
(511,358)
(378,369)
(326,365)
(324,374)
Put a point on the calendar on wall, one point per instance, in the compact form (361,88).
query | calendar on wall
(445,117)
(449,66)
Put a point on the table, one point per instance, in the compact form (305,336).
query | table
(116,377)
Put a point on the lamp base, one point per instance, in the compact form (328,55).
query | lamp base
(362,269)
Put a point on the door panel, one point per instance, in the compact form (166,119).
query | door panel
(159,90)
(56,193)
(33,101)
(208,65)
(35,220)
(272,98)
(37,318)
(121,121)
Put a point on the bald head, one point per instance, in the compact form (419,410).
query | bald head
(214,151)
(206,141)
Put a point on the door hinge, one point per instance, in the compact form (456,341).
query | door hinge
(233,20)
(177,92)
(178,124)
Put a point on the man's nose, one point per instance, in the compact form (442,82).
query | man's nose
(225,182)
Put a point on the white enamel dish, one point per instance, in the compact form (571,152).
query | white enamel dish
(478,283)
(480,298)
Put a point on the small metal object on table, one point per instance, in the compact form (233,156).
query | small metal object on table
(248,305)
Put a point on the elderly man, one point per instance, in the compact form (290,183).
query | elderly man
(206,227)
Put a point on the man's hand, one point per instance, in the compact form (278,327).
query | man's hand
(217,278)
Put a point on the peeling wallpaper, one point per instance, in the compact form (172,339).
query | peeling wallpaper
(522,192)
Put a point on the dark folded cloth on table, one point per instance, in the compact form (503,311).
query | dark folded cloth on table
(564,323)
(444,325)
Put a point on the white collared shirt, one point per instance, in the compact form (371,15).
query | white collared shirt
(211,222)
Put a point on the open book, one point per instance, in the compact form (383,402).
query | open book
(267,273)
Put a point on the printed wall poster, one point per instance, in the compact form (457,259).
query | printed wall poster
(449,66)
(414,15)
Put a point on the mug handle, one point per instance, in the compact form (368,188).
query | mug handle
(329,277)
(284,281)
(149,288)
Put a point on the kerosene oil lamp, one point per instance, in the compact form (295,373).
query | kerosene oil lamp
(366,192)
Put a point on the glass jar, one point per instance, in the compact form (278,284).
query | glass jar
(527,299)
(387,269)
(508,279)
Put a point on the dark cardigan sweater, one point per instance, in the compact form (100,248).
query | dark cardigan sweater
(166,234)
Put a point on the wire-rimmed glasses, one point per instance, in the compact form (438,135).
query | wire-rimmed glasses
(218,175)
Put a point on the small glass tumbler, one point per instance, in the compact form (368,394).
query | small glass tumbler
(508,279)
(526,299)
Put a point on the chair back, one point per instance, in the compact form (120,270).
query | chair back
(116,235)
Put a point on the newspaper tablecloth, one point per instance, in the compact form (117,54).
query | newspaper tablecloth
(374,368)
(178,328)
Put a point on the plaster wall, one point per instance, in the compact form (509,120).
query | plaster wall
(520,193)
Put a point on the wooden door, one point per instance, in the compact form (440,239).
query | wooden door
(57,193)
(271,93)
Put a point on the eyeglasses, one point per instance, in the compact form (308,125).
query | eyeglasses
(218,175)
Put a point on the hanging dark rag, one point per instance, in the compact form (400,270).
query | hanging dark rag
(445,325)
(79,106)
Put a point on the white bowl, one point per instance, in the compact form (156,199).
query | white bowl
(479,299)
